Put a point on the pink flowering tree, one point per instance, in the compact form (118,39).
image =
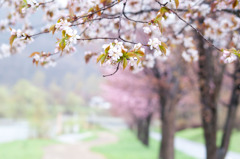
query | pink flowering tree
(206,32)
(138,100)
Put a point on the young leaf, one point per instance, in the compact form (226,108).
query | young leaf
(160,26)
(163,49)
(103,58)
(34,53)
(63,33)
(52,29)
(12,38)
(107,49)
(99,57)
(124,63)
(235,3)
(141,53)
(89,56)
(177,3)
(37,63)
(62,44)
(130,54)
(164,10)
(164,45)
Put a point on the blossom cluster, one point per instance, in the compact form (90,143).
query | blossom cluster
(19,33)
(228,57)
(191,55)
(29,4)
(43,58)
(115,50)
(69,36)
(160,52)
(116,53)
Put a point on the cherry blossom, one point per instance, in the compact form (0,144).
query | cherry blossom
(147,30)
(228,57)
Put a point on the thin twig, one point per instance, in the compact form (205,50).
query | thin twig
(196,30)
(101,9)
(114,71)
(136,21)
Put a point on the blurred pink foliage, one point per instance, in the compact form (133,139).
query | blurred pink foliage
(131,95)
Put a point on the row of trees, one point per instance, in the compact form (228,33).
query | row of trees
(152,93)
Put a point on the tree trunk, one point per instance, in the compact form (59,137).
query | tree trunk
(208,109)
(169,92)
(139,129)
(145,133)
(143,129)
(209,120)
(207,98)
(210,77)
(232,109)
(168,130)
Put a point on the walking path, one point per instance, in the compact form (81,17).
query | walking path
(191,148)
(80,150)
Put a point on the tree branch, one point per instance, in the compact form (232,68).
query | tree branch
(114,71)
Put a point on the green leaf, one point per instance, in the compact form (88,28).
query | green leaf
(63,33)
(99,57)
(164,10)
(125,63)
(163,49)
(177,3)
(103,58)
(164,45)
(160,26)
(52,29)
(12,38)
(107,49)
(141,53)
(130,54)
(24,3)
(62,44)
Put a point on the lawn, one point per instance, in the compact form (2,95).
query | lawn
(196,134)
(27,149)
(128,147)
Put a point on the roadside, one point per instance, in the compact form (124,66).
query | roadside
(196,150)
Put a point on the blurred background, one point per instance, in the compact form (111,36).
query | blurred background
(70,111)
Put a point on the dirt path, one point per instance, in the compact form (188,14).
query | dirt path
(79,150)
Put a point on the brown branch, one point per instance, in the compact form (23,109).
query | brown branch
(96,19)
(100,10)
(99,38)
(196,30)
(113,72)
(136,21)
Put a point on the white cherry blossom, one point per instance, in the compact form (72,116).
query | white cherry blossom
(147,30)
(228,57)
(63,25)
(154,43)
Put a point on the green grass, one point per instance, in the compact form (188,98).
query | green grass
(94,136)
(27,149)
(128,147)
(196,134)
